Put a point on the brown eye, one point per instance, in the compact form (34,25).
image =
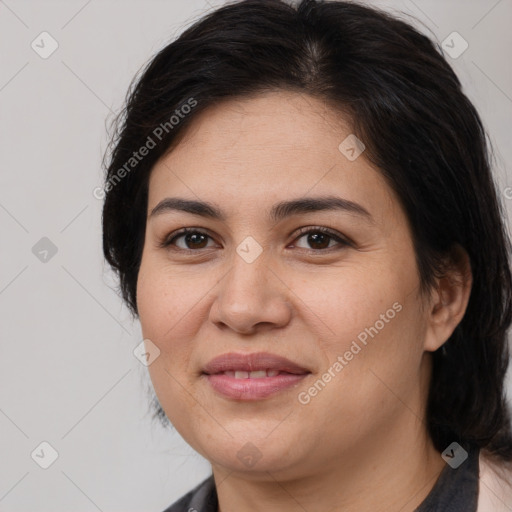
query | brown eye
(193,239)
(319,239)
(197,240)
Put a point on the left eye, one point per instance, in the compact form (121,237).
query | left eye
(320,238)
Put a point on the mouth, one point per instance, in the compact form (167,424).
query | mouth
(252,376)
(256,374)
(252,365)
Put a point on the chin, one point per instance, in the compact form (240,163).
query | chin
(257,457)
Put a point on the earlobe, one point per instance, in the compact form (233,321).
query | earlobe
(449,299)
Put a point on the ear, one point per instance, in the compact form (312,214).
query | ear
(449,299)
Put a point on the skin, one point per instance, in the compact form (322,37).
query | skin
(360,444)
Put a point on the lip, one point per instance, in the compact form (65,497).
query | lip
(252,362)
(252,388)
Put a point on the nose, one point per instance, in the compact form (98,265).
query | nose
(251,297)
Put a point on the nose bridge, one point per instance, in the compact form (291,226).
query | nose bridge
(247,280)
(250,294)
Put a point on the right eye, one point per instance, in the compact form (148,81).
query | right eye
(193,238)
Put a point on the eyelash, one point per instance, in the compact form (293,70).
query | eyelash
(343,242)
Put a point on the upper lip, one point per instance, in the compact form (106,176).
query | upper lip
(252,362)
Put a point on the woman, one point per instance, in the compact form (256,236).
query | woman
(300,208)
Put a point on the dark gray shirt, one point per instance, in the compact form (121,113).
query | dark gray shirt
(456,490)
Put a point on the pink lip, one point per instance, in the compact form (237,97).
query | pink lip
(252,362)
(252,389)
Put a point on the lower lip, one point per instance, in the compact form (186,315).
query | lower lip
(252,389)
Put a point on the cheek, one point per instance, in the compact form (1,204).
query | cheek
(165,298)
(345,302)
(170,315)
(162,309)
(378,342)
(371,327)
(372,367)
(152,307)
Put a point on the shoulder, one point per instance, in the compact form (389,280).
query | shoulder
(495,492)
(202,498)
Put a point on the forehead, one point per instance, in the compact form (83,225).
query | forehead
(285,121)
(266,147)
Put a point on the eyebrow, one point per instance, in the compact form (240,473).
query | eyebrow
(278,212)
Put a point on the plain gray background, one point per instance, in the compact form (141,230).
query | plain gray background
(68,375)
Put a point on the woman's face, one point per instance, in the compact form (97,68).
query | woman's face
(344,307)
